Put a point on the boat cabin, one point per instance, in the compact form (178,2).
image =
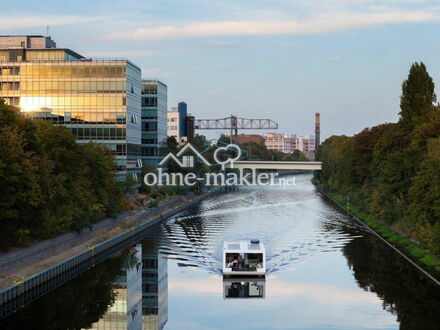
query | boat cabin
(246,257)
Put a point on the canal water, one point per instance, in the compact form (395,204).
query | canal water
(324,272)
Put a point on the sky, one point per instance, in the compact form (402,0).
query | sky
(277,59)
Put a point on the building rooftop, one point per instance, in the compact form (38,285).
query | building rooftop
(23,35)
(244,245)
(26,41)
(154,81)
(45,43)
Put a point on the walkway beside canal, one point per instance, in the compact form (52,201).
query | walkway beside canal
(19,264)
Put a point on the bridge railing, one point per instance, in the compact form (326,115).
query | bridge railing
(276,165)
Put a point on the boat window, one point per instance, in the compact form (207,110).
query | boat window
(254,260)
(244,261)
(232,260)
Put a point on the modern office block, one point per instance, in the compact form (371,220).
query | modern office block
(189,126)
(154,121)
(98,100)
(183,113)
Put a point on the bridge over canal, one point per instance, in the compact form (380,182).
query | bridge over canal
(276,165)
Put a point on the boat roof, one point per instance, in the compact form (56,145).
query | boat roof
(244,245)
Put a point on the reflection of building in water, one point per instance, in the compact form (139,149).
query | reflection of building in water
(244,288)
(126,312)
(141,293)
(154,291)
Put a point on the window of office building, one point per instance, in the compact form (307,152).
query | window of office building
(149,89)
(149,151)
(150,126)
(149,101)
(149,141)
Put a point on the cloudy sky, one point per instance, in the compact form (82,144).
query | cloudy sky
(278,59)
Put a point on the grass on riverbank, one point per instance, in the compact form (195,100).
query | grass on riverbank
(406,245)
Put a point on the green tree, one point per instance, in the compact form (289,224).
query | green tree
(418,96)
(424,196)
(50,184)
(391,171)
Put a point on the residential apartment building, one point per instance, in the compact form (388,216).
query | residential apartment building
(282,142)
(173,128)
(154,121)
(305,143)
(98,100)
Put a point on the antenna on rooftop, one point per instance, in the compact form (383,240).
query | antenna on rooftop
(47,31)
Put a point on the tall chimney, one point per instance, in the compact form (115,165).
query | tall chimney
(317,130)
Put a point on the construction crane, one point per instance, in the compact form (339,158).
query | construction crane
(234,123)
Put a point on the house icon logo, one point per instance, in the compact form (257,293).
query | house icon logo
(187,161)
(224,156)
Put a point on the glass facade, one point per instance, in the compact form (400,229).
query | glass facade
(183,113)
(98,101)
(126,311)
(154,121)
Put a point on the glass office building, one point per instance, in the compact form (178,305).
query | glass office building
(154,121)
(98,100)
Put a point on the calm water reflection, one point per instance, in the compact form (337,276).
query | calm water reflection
(324,272)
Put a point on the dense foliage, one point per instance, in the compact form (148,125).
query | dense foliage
(392,171)
(49,183)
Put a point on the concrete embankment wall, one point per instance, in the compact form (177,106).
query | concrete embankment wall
(39,284)
(24,256)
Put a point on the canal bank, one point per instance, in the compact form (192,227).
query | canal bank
(16,260)
(420,258)
(33,286)
(325,271)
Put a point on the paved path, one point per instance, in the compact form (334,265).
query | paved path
(18,264)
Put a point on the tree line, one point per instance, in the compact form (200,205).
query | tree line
(392,171)
(49,183)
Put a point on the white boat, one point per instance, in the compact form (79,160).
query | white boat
(244,258)
(239,287)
